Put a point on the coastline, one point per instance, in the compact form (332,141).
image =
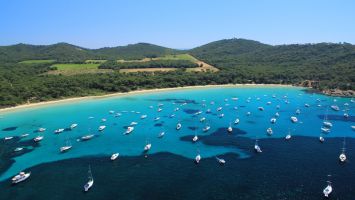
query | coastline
(76,99)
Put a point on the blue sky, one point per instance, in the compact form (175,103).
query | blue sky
(175,23)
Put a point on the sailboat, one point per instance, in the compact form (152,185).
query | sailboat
(328,190)
(220,161)
(147,146)
(257,147)
(342,156)
(90,182)
(198,158)
(66,147)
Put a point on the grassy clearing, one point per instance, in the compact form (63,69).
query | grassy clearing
(167,57)
(73,69)
(95,61)
(76,66)
(146,70)
(36,61)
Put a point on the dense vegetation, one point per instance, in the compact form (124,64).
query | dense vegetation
(239,61)
(113,64)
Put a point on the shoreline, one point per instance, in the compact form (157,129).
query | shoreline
(143,91)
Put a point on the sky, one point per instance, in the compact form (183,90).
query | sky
(178,24)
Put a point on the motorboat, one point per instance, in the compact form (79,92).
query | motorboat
(147,147)
(20,177)
(273,120)
(59,130)
(298,111)
(230,129)
(73,126)
(335,107)
(325,130)
(87,137)
(269,131)
(143,116)
(195,138)
(41,129)
(219,108)
(236,121)
(294,119)
(202,119)
(161,134)
(101,128)
(38,138)
(221,115)
(18,149)
(327,124)
(220,161)
(156,119)
(114,156)
(129,130)
(206,128)
(178,126)
(24,135)
(8,138)
(133,123)
(257,148)
(198,158)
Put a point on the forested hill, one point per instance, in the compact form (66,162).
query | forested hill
(63,52)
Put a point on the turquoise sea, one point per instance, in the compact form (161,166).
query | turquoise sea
(294,169)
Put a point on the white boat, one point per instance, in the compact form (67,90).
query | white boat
(114,156)
(20,177)
(143,116)
(111,112)
(248,113)
(236,121)
(159,109)
(147,147)
(273,120)
(198,158)
(325,130)
(230,129)
(103,120)
(268,103)
(133,123)
(257,148)
(202,119)
(87,137)
(327,124)
(221,115)
(73,126)
(117,114)
(234,98)
(161,134)
(18,149)
(172,116)
(277,114)
(206,128)
(220,161)
(327,190)
(41,129)
(66,148)
(25,135)
(342,156)
(90,182)
(129,130)
(288,136)
(269,131)
(101,128)
(261,108)
(306,105)
(353,127)
(298,111)
(195,138)
(294,119)
(198,113)
(38,138)
(176,109)
(335,107)
(59,130)
(156,119)
(178,126)
(278,107)
(8,138)
(321,138)
(208,111)
(219,108)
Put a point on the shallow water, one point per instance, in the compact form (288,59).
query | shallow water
(88,114)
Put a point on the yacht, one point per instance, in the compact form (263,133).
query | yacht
(90,182)
(129,130)
(198,113)
(236,121)
(220,161)
(101,128)
(161,134)
(221,115)
(156,119)
(257,148)
(178,126)
(353,127)
(147,147)
(25,135)
(117,115)
(18,149)
(288,136)
(111,112)
(66,148)
(219,108)
(202,119)
(41,129)
(269,131)
(230,129)
(327,190)
(103,120)
(273,120)
(59,130)
(306,105)
(206,128)
(114,156)
(298,111)
(325,130)
(198,158)
(133,123)
(342,156)
(8,138)
(327,124)
(38,138)
(335,107)
(195,138)
(294,119)
(143,116)
(73,126)
(20,177)
(234,98)
(346,115)
(87,137)
(176,109)
(321,138)
(268,103)
(159,109)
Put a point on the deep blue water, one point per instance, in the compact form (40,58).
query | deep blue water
(295,169)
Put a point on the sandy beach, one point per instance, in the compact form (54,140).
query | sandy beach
(76,99)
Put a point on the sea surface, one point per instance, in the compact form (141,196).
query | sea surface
(286,169)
